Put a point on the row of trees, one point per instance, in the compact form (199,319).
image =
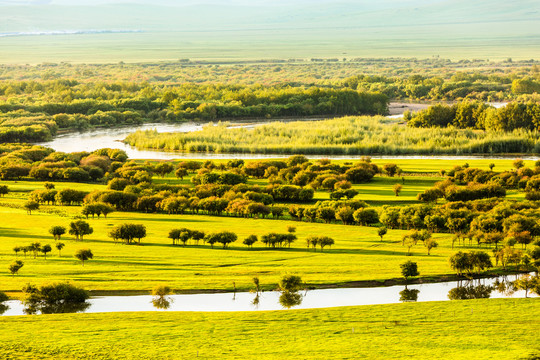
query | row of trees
(477,115)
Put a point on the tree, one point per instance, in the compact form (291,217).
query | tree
(49,186)
(46,249)
(15,267)
(163,169)
(518,164)
(491,166)
(382,231)
(325,241)
(211,239)
(346,215)
(290,283)
(30,206)
(250,240)
(312,241)
(184,237)
(366,216)
(57,232)
(460,262)
(181,173)
(84,254)
(391,169)
(480,261)
(409,269)
(16,249)
(4,190)
(60,246)
(430,244)
(397,189)
(409,240)
(226,237)
(128,232)
(35,248)
(80,228)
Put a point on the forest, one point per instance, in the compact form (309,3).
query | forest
(36,102)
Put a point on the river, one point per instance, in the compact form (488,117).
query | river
(271,300)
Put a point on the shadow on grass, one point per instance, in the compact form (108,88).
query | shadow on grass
(392,202)
(9,232)
(176,220)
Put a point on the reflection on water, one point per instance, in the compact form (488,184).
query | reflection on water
(408,295)
(60,308)
(3,309)
(274,300)
(471,292)
(256,300)
(161,302)
(289,299)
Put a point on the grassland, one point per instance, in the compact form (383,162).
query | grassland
(480,329)
(358,255)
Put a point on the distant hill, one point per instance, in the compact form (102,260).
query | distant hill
(458,28)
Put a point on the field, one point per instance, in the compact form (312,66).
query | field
(479,329)
(359,254)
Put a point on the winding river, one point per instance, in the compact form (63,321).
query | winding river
(112,138)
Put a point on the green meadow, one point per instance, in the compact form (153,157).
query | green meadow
(358,254)
(472,329)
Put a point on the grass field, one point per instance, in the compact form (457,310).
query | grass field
(480,329)
(358,255)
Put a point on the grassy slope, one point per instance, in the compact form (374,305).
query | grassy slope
(358,255)
(479,329)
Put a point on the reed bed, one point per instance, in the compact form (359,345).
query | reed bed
(340,136)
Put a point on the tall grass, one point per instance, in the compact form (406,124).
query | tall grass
(340,136)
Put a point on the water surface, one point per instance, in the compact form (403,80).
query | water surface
(312,299)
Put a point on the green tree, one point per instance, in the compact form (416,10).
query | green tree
(226,237)
(391,169)
(409,269)
(84,255)
(518,164)
(381,231)
(17,249)
(30,206)
(325,241)
(59,247)
(290,283)
(80,228)
(163,169)
(430,244)
(181,173)
(35,248)
(57,232)
(397,189)
(46,249)
(250,240)
(15,267)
